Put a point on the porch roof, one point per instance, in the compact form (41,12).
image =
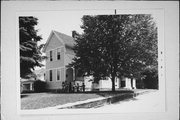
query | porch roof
(27,81)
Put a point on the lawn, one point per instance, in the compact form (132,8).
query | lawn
(43,100)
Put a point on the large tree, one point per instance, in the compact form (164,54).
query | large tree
(116,45)
(30,52)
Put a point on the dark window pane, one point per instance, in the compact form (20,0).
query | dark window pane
(50,75)
(51,56)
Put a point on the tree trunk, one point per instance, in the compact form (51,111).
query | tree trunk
(113,83)
(132,83)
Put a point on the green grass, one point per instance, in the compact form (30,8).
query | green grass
(43,100)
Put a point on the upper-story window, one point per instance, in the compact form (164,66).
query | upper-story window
(58,54)
(51,56)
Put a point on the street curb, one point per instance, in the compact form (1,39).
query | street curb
(102,101)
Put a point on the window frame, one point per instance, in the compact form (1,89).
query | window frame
(58,70)
(50,75)
(58,53)
(50,55)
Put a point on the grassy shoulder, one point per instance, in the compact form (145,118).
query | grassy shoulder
(43,100)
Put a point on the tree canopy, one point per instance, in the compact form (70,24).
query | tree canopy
(116,45)
(30,52)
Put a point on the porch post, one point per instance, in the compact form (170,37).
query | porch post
(31,86)
(134,83)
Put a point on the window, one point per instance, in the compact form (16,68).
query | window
(51,56)
(58,54)
(50,75)
(123,84)
(58,74)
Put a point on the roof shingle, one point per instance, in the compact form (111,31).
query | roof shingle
(68,40)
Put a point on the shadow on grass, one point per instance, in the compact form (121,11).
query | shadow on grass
(110,98)
(111,93)
(125,100)
(100,93)
(23,96)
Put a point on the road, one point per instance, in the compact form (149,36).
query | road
(148,102)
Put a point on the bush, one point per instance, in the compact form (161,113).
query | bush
(39,86)
(151,79)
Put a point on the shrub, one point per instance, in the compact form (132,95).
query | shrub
(39,86)
(151,79)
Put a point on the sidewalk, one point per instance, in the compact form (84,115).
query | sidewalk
(101,101)
(149,102)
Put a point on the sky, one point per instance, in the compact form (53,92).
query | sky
(62,21)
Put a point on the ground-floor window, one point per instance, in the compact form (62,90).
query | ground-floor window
(123,84)
(50,75)
(58,74)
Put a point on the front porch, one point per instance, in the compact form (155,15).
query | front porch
(105,84)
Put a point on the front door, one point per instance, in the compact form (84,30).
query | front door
(69,75)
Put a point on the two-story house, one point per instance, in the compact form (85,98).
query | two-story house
(59,52)
(58,49)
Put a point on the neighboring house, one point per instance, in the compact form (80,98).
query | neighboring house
(27,85)
(59,52)
(106,84)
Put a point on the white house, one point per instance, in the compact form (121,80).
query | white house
(59,52)
(27,85)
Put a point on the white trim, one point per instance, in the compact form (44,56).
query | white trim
(46,44)
(64,64)
(55,75)
(55,48)
(64,73)
(54,55)
(54,68)
(50,75)
(59,38)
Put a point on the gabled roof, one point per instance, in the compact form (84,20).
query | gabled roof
(68,41)
(27,80)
